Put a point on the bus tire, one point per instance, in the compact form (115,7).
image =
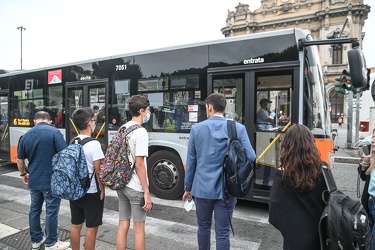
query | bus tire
(165,175)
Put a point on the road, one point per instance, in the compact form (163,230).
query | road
(168,225)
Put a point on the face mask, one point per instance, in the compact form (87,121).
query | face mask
(268,105)
(93,129)
(147,118)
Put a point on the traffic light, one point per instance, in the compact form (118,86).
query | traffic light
(340,87)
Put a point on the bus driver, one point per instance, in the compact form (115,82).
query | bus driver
(264,120)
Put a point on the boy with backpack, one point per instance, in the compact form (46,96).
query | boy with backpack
(90,207)
(134,199)
(208,143)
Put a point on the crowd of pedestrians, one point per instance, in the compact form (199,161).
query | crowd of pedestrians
(296,194)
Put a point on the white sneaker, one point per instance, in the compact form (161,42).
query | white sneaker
(36,245)
(59,245)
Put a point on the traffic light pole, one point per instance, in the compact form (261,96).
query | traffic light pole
(349,134)
(358,96)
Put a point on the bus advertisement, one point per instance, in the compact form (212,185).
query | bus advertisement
(280,66)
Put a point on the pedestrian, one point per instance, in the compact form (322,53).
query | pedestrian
(130,196)
(39,145)
(366,167)
(203,176)
(339,120)
(90,207)
(296,203)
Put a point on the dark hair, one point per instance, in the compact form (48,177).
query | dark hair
(218,102)
(82,116)
(43,115)
(300,157)
(137,102)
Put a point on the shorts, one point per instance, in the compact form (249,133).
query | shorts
(89,208)
(128,203)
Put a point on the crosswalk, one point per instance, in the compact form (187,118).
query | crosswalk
(154,226)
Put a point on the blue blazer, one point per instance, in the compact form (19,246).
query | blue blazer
(206,150)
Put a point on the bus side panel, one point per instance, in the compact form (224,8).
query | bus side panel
(325,147)
(15,134)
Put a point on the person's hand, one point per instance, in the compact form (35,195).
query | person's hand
(25,179)
(148,203)
(366,158)
(187,195)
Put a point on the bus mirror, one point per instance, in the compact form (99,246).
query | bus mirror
(357,65)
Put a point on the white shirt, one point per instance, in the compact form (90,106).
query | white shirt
(93,151)
(138,143)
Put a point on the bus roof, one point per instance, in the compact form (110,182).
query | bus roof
(298,33)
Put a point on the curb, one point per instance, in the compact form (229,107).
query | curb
(342,159)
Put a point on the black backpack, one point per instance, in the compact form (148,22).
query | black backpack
(344,223)
(237,169)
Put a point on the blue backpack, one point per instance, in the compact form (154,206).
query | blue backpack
(70,177)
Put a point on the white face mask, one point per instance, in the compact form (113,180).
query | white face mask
(147,118)
(268,105)
(93,128)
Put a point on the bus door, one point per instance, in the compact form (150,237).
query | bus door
(91,94)
(272,116)
(244,91)
(4,127)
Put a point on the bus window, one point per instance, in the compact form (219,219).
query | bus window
(232,88)
(273,113)
(174,111)
(55,108)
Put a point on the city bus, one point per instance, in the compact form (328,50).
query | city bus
(276,66)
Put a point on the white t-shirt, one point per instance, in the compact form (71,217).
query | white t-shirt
(93,151)
(138,143)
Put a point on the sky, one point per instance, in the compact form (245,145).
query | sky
(65,31)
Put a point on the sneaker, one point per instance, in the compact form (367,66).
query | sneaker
(59,245)
(36,245)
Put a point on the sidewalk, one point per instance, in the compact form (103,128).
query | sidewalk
(343,154)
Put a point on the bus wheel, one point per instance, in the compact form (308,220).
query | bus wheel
(165,175)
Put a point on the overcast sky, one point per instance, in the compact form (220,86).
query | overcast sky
(65,31)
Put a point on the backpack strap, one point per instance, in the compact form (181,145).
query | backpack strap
(77,140)
(232,130)
(328,178)
(128,130)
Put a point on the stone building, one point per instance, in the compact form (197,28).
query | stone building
(323,18)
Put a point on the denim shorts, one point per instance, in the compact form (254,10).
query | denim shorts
(128,202)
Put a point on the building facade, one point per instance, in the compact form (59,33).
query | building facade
(324,19)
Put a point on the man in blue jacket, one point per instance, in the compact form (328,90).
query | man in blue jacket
(203,179)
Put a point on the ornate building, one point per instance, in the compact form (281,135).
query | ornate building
(323,18)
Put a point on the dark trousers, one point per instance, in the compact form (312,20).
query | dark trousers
(222,214)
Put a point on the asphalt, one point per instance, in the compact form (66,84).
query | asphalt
(14,230)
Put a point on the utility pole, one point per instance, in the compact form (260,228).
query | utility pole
(22,29)
(349,135)
(358,107)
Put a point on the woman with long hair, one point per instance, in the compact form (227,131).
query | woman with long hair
(296,202)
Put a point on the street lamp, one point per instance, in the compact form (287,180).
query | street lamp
(21,28)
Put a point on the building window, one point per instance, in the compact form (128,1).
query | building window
(337,54)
